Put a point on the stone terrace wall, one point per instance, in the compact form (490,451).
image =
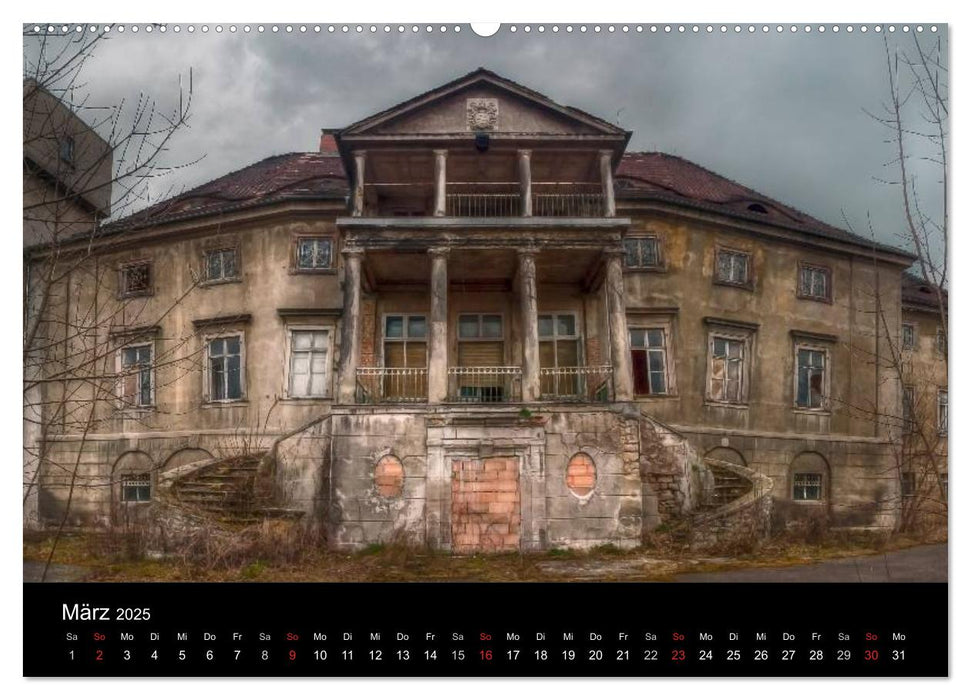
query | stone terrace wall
(359,513)
(611,512)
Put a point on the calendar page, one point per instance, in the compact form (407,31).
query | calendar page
(514,350)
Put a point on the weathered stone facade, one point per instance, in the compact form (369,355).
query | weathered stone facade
(495,339)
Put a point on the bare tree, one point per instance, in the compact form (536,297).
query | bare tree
(82,163)
(916,119)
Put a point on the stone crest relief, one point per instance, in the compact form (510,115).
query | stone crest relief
(482,113)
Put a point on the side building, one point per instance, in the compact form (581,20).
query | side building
(67,174)
(476,322)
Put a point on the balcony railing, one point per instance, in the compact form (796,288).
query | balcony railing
(392,385)
(576,383)
(485,384)
(483,204)
(548,199)
(571,204)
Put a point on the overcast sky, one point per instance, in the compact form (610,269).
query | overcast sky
(781,113)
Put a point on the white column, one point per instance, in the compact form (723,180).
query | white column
(438,328)
(525,183)
(607,182)
(350,328)
(617,323)
(360,158)
(441,157)
(527,311)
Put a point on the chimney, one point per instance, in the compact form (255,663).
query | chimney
(328,144)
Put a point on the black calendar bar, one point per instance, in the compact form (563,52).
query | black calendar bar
(471,629)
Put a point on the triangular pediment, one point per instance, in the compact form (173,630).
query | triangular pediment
(482,101)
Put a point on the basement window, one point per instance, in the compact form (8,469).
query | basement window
(136,488)
(807,487)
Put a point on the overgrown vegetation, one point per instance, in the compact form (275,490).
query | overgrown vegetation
(287,552)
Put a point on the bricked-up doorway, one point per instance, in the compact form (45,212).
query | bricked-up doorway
(485,504)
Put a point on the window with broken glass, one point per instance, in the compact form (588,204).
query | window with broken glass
(221,265)
(225,368)
(314,253)
(814,282)
(810,378)
(807,487)
(136,379)
(649,361)
(732,267)
(136,488)
(136,279)
(643,253)
(727,370)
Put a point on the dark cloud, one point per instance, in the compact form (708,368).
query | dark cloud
(783,114)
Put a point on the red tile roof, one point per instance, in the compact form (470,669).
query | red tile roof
(291,176)
(660,176)
(640,177)
(918,292)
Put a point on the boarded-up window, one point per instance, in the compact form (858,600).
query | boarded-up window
(581,474)
(389,476)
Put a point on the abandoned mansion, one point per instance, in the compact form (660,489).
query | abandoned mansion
(474,321)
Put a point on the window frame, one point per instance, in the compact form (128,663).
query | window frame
(942,425)
(123,269)
(904,345)
(666,329)
(827,270)
(208,281)
(576,336)
(288,366)
(749,282)
(481,339)
(824,406)
(122,485)
(940,344)
(207,338)
(295,266)
(908,484)
(658,265)
(908,409)
(822,486)
(405,338)
(120,369)
(746,338)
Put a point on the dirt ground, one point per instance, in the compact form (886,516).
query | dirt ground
(101,557)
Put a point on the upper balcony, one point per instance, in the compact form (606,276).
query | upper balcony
(467,183)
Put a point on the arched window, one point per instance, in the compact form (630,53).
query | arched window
(809,478)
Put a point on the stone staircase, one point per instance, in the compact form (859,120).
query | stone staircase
(728,486)
(225,490)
